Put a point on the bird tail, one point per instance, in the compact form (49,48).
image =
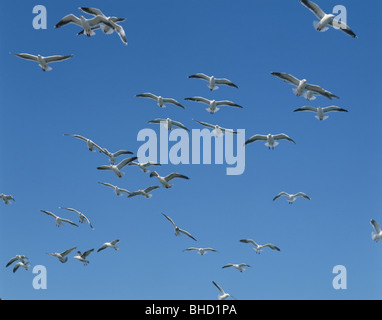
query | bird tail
(47,68)
(213,88)
(374,237)
(210,111)
(323,118)
(316,26)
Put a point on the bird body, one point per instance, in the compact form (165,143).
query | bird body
(112,244)
(165,180)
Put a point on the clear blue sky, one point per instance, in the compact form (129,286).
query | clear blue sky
(336,162)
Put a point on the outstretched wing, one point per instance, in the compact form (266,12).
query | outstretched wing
(199,99)
(175,175)
(228,103)
(180,125)
(256,137)
(26,56)
(57,58)
(306,108)
(92,11)
(149,189)
(125,162)
(200,76)
(302,194)
(333,108)
(271,246)
(219,288)
(66,252)
(205,124)
(283,136)
(70,18)
(148,95)
(169,219)
(226,82)
(281,194)
(86,253)
(375,226)
(314,8)
(173,101)
(249,241)
(187,234)
(321,91)
(49,213)
(68,221)
(287,78)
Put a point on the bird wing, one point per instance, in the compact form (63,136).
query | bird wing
(148,95)
(281,194)
(375,226)
(104,167)
(256,137)
(159,120)
(200,76)
(314,8)
(205,124)
(321,91)
(333,108)
(149,189)
(26,56)
(124,162)
(283,136)
(86,253)
(244,265)
(148,164)
(15,259)
(249,241)
(306,108)
(103,247)
(100,19)
(175,175)
(70,209)
(49,213)
(191,248)
(209,249)
(227,265)
(187,234)
(76,136)
(114,242)
(287,78)
(180,125)
(169,219)
(227,103)
(70,18)
(273,247)
(226,82)
(199,99)
(92,11)
(302,194)
(56,58)
(68,221)
(66,252)
(107,184)
(342,26)
(219,288)
(119,152)
(173,101)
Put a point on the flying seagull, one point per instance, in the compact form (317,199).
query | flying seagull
(143,166)
(19,257)
(217,130)
(212,81)
(291,197)
(326,19)
(106,29)
(118,191)
(111,244)
(113,155)
(25,265)
(160,100)
(303,88)
(258,247)
(169,124)
(321,111)
(378,233)
(86,24)
(178,231)
(42,61)
(6,198)
(59,221)
(82,256)
(223,294)
(91,144)
(201,251)
(213,104)
(63,255)
(165,180)
(237,266)
(144,192)
(116,168)
(270,139)
(81,216)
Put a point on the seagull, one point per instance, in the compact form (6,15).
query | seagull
(144,165)
(178,231)
(81,216)
(160,100)
(117,168)
(321,111)
(223,294)
(91,144)
(168,123)
(212,81)
(237,266)
(18,257)
(106,29)
(378,235)
(6,198)
(63,255)
(59,220)
(165,180)
(271,139)
(258,247)
(111,244)
(213,104)
(82,256)
(218,130)
(291,197)
(144,192)
(112,156)
(303,88)
(118,191)
(42,61)
(86,24)
(326,19)
(201,251)
(25,265)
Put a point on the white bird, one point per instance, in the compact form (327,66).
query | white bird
(160,100)
(217,130)
(321,111)
(81,216)
(118,191)
(213,104)
(6,198)
(201,251)
(212,81)
(258,247)
(106,29)
(111,244)
(24,265)
(59,220)
(82,256)
(86,24)
(63,255)
(165,180)
(303,88)
(42,61)
(144,192)
(113,155)
(116,168)
(270,139)
(291,197)
(91,144)
(144,165)
(178,231)
(378,233)
(237,266)
(326,19)
(19,257)
(169,123)
(223,294)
